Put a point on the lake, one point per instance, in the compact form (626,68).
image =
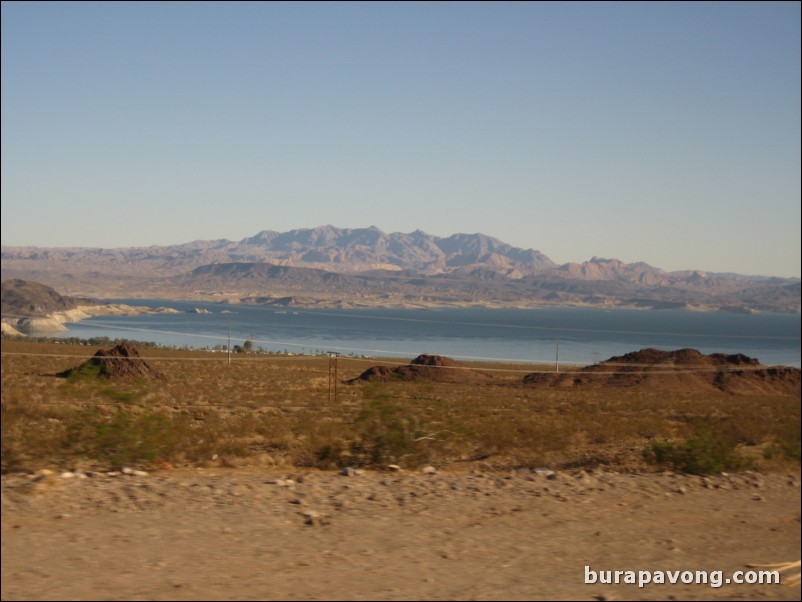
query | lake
(541,335)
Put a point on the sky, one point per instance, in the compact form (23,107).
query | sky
(660,132)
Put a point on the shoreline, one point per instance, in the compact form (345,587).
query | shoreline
(55,322)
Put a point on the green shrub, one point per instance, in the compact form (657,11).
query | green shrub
(85,372)
(121,396)
(787,444)
(701,453)
(384,432)
(121,439)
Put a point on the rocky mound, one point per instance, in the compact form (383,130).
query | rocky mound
(680,357)
(435,368)
(122,362)
(25,298)
(680,370)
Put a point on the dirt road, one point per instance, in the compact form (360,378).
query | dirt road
(240,534)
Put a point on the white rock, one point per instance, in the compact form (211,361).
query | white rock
(282,482)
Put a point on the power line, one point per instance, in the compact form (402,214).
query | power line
(265,358)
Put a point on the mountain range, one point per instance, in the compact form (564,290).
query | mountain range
(367,267)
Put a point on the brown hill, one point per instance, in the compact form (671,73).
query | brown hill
(23,298)
(435,368)
(681,370)
(122,362)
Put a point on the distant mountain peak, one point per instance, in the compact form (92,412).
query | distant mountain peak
(361,249)
(481,267)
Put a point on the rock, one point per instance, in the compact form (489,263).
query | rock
(239,490)
(428,470)
(352,472)
(282,482)
(45,480)
(394,468)
(132,472)
(313,517)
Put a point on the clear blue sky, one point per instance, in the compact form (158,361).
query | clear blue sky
(661,132)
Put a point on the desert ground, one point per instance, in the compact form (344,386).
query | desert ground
(253,481)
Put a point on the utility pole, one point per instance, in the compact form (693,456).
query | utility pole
(333,376)
(229,341)
(557,354)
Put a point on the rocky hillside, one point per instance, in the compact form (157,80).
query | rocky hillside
(35,308)
(21,298)
(366,266)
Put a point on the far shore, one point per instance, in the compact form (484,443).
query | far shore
(55,322)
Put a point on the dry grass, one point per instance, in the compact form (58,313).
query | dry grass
(276,410)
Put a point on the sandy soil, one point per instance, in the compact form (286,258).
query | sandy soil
(241,534)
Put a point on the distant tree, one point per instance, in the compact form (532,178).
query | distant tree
(247,346)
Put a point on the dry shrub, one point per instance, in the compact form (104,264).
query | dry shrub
(206,409)
(30,434)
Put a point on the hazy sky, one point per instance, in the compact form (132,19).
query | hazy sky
(661,132)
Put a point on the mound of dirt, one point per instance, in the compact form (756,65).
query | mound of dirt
(122,362)
(380,373)
(435,368)
(681,357)
(679,370)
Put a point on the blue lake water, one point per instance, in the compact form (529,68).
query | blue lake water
(575,335)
